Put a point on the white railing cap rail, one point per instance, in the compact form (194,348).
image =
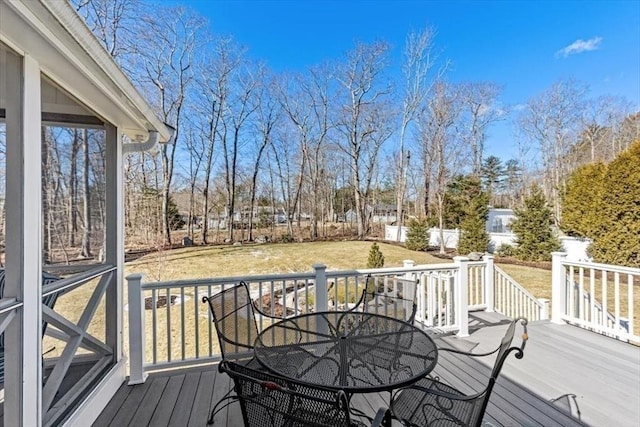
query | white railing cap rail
(295,276)
(597,266)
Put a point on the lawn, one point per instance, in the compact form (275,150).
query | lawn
(224,261)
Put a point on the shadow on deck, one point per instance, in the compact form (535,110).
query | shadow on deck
(568,377)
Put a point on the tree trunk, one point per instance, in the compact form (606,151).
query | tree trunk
(86,196)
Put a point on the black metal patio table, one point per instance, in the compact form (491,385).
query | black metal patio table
(350,351)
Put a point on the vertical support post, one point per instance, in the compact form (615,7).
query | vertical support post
(322,293)
(489,275)
(114,240)
(544,312)
(137,374)
(558,286)
(23,336)
(461,301)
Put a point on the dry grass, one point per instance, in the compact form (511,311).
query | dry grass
(535,280)
(224,261)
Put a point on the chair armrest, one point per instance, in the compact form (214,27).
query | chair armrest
(443,394)
(382,418)
(467,353)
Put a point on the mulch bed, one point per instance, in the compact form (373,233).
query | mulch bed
(161,301)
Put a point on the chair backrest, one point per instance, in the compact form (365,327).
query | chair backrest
(502,352)
(234,319)
(391,296)
(269,400)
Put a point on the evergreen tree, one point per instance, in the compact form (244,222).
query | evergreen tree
(512,181)
(532,227)
(456,199)
(376,259)
(582,201)
(417,235)
(493,174)
(617,241)
(474,236)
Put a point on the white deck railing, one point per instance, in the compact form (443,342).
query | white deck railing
(513,300)
(170,326)
(600,297)
(176,327)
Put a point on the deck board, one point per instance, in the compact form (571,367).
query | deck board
(145,410)
(559,360)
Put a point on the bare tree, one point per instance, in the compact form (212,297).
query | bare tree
(551,121)
(215,87)
(268,113)
(443,150)
(419,60)
(479,111)
(307,102)
(602,118)
(364,122)
(169,43)
(242,104)
(113,22)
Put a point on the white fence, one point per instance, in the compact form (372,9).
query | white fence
(449,237)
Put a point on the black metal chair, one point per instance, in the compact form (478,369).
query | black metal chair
(431,402)
(234,318)
(49,301)
(390,296)
(233,313)
(270,400)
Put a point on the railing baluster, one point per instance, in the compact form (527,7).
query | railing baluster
(168,326)
(196,316)
(154,317)
(182,319)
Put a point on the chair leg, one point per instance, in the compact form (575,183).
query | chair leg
(227,399)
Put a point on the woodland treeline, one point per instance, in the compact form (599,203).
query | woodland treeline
(346,134)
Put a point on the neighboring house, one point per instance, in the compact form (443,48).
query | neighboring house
(378,213)
(499,220)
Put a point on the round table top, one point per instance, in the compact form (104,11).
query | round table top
(350,351)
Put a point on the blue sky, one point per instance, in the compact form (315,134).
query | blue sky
(525,46)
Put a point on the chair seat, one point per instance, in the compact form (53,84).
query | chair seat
(430,402)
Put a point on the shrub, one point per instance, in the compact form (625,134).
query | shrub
(616,241)
(286,238)
(582,201)
(376,259)
(506,249)
(417,235)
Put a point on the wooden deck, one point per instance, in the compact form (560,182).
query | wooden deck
(568,377)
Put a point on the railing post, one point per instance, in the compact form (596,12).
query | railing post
(489,274)
(544,312)
(558,288)
(137,375)
(462,304)
(322,293)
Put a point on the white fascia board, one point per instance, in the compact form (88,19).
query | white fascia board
(58,24)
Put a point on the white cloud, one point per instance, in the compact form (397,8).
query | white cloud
(580,46)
